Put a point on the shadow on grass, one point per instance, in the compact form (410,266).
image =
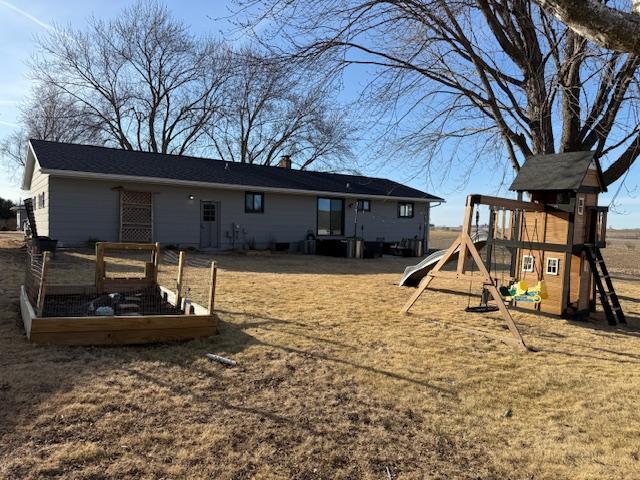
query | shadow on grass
(629,299)
(293,263)
(178,389)
(625,278)
(277,263)
(262,323)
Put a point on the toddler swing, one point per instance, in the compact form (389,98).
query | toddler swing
(519,290)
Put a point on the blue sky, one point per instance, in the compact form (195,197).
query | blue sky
(20,21)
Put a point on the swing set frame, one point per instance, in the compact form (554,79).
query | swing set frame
(464,244)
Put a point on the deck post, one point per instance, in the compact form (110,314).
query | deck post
(212,287)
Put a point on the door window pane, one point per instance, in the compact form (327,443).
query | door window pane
(336,217)
(330,216)
(208,212)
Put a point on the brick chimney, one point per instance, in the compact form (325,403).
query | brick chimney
(285,162)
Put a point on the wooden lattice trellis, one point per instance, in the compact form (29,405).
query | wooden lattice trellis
(136,216)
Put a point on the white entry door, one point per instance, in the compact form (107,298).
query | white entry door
(209,224)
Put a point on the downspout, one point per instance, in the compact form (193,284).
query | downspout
(427,221)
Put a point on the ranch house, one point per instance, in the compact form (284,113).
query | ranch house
(84,193)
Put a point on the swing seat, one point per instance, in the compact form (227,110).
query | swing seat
(541,289)
(530,297)
(520,292)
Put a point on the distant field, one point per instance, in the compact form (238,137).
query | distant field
(628,234)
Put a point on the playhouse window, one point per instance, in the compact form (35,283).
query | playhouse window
(553,266)
(580,205)
(527,263)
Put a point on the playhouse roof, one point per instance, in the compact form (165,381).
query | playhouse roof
(558,171)
(86,161)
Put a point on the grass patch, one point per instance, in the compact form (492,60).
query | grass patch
(331,383)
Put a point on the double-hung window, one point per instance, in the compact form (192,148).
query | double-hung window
(405,209)
(364,205)
(253,202)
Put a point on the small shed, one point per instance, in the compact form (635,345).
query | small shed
(563,242)
(22,221)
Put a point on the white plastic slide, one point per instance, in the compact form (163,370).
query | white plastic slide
(414,273)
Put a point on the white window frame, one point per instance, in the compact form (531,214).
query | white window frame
(527,266)
(553,266)
(580,205)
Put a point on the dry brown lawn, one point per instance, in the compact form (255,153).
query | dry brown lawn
(331,383)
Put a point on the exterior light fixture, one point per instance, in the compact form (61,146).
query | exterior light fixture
(191,196)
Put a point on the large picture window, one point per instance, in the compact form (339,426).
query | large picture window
(330,216)
(253,202)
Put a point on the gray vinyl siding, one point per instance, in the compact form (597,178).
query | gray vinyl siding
(382,222)
(40,184)
(84,209)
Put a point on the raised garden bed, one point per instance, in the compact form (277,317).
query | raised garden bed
(116,310)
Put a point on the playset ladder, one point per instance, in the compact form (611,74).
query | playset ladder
(608,295)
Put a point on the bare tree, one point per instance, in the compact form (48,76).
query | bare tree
(142,78)
(454,72)
(49,114)
(606,25)
(272,108)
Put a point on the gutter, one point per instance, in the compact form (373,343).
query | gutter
(223,186)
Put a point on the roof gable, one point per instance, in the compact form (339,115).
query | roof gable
(92,160)
(30,166)
(561,171)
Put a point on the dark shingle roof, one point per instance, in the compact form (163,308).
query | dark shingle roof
(560,171)
(111,161)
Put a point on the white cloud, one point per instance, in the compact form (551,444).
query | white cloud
(27,15)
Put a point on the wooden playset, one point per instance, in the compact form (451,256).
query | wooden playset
(555,242)
(116,309)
